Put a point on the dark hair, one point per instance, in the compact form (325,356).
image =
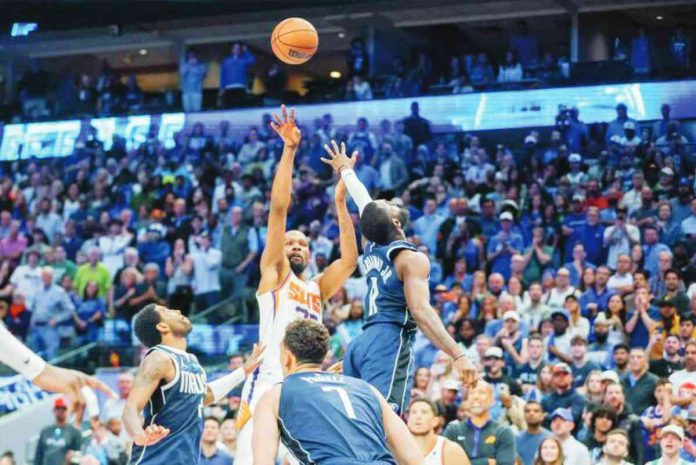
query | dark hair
(673,271)
(621,346)
(604,411)
(211,418)
(376,223)
(145,326)
(433,406)
(307,340)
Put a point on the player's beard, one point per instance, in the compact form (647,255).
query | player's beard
(297,267)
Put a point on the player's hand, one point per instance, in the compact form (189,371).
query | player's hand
(341,192)
(151,435)
(338,159)
(70,383)
(254,359)
(467,372)
(286,128)
(336,368)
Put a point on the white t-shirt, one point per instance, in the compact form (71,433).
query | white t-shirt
(575,452)
(617,281)
(681,377)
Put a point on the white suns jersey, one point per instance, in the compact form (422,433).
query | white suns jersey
(293,299)
(437,455)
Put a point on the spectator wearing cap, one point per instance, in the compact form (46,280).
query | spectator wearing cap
(630,137)
(56,440)
(581,364)
(447,404)
(528,440)
(671,445)
(503,245)
(576,176)
(206,272)
(639,384)
(671,360)
(687,375)
(614,397)
(486,441)
(562,425)
(599,350)
(689,451)
(558,342)
(563,395)
(510,337)
(427,226)
(495,364)
(615,449)
(619,238)
(666,187)
(616,127)
(93,270)
(577,266)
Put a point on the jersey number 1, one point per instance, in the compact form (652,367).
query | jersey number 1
(345,400)
(372,294)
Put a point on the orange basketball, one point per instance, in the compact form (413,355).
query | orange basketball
(294,41)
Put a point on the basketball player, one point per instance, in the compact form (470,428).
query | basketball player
(326,418)
(171,388)
(49,377)
(398,296)
(284,292)
(437,450)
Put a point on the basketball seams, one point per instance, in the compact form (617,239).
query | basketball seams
(279,47)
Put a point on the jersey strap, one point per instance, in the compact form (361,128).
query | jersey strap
(397,246)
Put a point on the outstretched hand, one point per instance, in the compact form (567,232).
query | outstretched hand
(338,159)
(151,435)
(286,127)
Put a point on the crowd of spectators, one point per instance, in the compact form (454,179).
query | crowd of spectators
(524,64)
(564,265)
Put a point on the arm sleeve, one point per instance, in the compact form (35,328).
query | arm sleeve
(356,189)
(505,449)
(18,356)
(223,385)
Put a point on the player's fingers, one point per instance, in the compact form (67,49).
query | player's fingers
(276,128)
(292,115)
(354,154)
(77,404)
(343,148)
(325,160)
(284,111)
(329,151)
(94,383)
(335,146)
(277,119)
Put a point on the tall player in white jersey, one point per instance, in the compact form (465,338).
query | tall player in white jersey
(285,293)
(437,450)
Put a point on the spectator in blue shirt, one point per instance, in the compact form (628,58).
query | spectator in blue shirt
(503,246)
(595,299)
(211,452)
(591,235)
(427,226)
(234,72)
(652,249)
(192,72)
(90,311)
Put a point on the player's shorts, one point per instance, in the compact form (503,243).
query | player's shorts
(382,356)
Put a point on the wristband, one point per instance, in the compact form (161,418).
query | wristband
(18,356)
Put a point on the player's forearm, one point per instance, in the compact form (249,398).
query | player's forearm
(18,356)
(282,182)
(347,240)
(430,324)
(220,387)
(357,190)
(131,420)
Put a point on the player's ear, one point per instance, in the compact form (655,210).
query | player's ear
(162,327)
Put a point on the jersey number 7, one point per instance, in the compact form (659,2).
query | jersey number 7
(345,400)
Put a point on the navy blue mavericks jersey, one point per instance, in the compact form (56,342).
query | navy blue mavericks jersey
(329,418)
(177,405)
(385,301)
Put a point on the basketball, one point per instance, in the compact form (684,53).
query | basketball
(294,41)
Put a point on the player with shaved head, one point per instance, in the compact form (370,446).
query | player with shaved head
(285,291)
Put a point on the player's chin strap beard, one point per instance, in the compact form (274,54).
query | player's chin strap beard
(297,267)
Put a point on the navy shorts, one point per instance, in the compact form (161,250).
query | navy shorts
(382,356)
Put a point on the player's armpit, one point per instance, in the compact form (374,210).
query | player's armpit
(399,439)
(454,454)
(266,433)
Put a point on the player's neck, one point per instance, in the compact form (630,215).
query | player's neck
(307,367)
(175,343)
(426,442)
